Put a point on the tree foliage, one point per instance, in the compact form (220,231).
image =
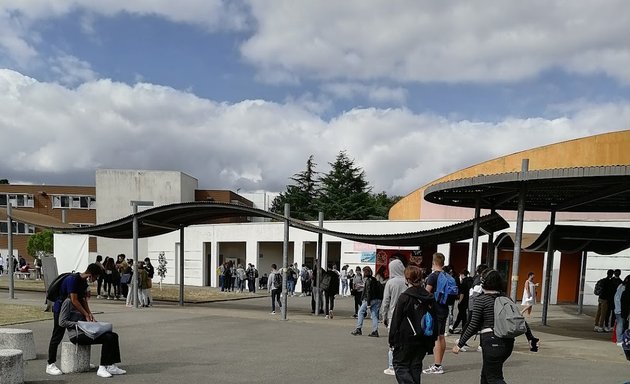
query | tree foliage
(4,181)
(341,194)
(302,196)
(40,242)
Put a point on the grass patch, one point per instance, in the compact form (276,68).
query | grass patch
(169,292)
(18,314)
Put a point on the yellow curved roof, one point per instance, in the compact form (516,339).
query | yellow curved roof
(605,149)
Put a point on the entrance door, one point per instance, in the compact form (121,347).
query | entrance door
(569,278)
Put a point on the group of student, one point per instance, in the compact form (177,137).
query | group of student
(117,277)
(21,265)
(232,277)
(613,304)
(409,294)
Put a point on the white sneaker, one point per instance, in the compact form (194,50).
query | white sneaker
(273,312)
(434,370)
(102,372)
(464,349)
(620,344)
(479,348)
(52,369)
(114,370)
(389,371)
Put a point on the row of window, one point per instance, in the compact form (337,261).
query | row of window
(58,201)
(18,228)
(17,199)
(74,202)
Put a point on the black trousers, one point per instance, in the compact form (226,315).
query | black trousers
(329,301)
(55,339)
(275,296)
(462,311)
(495,351)
(357,301)
(110,350)
(407,361)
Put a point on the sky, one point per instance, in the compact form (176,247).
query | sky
(240,93)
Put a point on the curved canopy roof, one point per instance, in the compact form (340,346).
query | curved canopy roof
(573,238)
(167,218)
(586,189)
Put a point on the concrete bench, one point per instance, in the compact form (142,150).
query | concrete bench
(11,366)
(22,339)
(75,358)
(22,275)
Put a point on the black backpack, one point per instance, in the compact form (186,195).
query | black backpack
(54,289)
(420,321)
(277,280)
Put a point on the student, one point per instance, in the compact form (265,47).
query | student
(396,285)
(408,347)
(529,294)
(275,287)
(110,351)
(495,350)
(73,287)
(441,314)
(372,297)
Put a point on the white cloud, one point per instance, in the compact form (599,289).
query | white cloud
(373,93)
(69,70)
(436,41)
(59,133)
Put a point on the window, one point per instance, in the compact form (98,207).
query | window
(74,202)
(17,200)
(18,228)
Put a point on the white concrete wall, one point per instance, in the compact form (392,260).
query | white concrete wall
(253,234)
(116,188)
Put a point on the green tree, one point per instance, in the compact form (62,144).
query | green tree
(344,192)
(4,181)
(41,242)
(382,203)
(302,196)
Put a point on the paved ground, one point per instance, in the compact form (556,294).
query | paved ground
(240,342)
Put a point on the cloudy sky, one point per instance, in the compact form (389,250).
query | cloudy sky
(238,94)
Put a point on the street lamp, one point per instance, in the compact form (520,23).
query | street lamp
(135,204)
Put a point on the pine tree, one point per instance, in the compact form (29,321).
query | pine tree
(344,192)
(301,196)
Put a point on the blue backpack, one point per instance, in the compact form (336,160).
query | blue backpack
(446,289)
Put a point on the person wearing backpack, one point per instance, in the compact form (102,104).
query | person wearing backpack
(495,349)
(275,287)
(74,286)
(411,335)
(438,283)
(331,288)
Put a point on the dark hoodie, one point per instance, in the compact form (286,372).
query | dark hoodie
(400,332)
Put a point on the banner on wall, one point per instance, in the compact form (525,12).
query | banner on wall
(383,256)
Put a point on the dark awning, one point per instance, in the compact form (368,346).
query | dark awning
(585,189)
(573,239)
(505,240)
(167,218)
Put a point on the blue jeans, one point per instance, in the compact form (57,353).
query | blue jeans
(291,286)
(619,328)
(374,310)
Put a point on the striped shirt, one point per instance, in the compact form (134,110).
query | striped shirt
(482,317)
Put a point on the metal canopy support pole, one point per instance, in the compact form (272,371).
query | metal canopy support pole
(549,269)
(181,266)
(285,261)
(516,260)
(134,276)
(495,261)
(490,251)
(317,266)
(582,282)
(11,265)
(475,239)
